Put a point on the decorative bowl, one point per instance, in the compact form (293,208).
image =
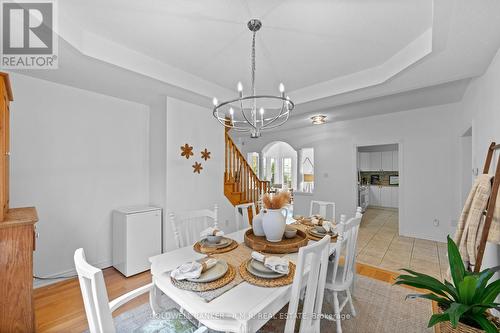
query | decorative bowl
(290,232)
(214,239)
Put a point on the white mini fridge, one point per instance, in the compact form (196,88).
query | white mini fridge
(137,235)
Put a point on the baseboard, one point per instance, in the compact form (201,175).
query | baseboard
(71,273)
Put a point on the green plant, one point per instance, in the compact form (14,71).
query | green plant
(465,300)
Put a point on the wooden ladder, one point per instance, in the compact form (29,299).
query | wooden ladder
(491,204)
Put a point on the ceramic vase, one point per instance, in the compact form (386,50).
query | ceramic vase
(274,224)
(258,230)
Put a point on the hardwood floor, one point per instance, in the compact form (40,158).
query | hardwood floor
(59,307)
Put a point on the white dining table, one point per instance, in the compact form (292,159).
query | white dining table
(244,308)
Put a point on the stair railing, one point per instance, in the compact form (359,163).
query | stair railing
(239,172)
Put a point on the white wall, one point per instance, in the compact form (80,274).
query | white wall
(481,105)
(429,157)
(76,155)
(192,124)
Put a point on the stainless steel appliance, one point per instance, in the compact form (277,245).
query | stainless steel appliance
(363,195)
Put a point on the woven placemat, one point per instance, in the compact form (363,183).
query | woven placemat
(279,282)
(212,250)
(205,286)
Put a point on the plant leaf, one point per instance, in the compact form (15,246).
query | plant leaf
(455,311)
(432,297)
(467,289)
(424,282)
(484,323)
(446,287)
(437,318)
(457,267)
(452,288)
(491,292)
(482,280)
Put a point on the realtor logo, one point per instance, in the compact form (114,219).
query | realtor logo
(28,38)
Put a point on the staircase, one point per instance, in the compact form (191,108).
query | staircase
(241,184)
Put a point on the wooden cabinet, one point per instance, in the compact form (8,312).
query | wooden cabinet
(5,99)
(17,239)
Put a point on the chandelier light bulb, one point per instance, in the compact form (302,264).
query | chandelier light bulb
(261,110)
(231,112)
(240,87)
(214,101)
(282,88)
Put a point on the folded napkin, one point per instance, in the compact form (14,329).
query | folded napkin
(317,219)
(192,270)
(328,226)
(276,264)
(211,231)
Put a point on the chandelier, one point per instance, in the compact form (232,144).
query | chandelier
(254,113)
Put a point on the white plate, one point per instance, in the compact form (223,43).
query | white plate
(225,242)
(213,273)
(314,232)
(253,271)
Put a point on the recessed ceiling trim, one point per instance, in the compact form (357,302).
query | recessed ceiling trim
(413,52)
(94,46)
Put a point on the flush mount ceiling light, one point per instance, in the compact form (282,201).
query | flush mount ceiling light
(318,120)
(254,113)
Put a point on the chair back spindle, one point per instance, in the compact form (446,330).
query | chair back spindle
(316,257)
(324,208)
(187,226)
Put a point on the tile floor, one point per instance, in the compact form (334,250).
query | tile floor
(380,245)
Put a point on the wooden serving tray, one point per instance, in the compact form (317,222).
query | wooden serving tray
(260,243)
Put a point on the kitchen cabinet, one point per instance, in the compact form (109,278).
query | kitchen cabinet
(386,157)
(395,161)
(385,196)
(375,161)
(394,197)
(378,161)
(364,161)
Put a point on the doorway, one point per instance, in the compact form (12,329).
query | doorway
(467,174)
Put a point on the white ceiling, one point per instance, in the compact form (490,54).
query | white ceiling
(301,42)
(330,54)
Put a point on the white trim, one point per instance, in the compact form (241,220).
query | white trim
(70,272)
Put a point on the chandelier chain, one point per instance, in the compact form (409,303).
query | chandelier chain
(253,63)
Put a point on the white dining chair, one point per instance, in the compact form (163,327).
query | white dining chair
(187,226)
(340,277)
(316,256)
(242,217)
(322,208)
(99,310)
